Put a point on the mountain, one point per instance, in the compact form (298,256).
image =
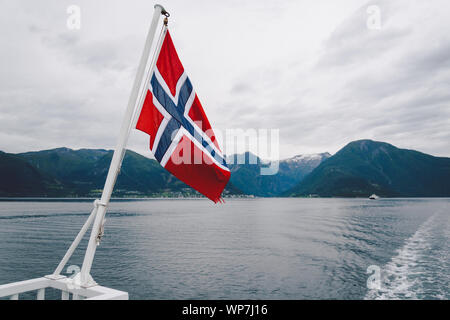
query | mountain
(365,167)
(357,170)
(246,173)
(19,178)
(74,173)
(301,165)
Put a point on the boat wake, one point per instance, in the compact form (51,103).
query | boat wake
(54,215)
(37,216)
(421,268)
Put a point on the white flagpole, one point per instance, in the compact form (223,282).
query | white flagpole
(116,161)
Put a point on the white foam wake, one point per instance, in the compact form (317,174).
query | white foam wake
(404,276)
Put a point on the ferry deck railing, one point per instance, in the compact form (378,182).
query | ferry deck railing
(63,284)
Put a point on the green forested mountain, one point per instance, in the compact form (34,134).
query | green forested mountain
(365,167)
(19,178)
(357,170)
(79,173)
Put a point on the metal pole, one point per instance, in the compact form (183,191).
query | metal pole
(120,149)
(41,294)
(77,240)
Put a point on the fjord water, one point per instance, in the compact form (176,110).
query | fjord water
(244,249)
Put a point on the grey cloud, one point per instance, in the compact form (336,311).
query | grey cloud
(64,88)
(241,88)
(353,43)
(97,55)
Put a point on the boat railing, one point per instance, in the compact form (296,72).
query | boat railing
(68,290)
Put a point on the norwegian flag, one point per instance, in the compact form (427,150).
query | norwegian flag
(181,137)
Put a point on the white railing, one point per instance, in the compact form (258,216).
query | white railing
(63,284)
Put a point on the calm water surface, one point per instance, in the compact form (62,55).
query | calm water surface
(244,249)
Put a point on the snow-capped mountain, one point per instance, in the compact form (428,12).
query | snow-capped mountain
(307,162)
(247,177)
(307,158)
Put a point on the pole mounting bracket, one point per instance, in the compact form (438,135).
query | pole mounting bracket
(163,11)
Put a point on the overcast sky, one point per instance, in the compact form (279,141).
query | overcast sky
(312,69)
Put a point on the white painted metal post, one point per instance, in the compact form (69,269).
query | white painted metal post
(119,151)
(40,294)
(64,295)
(77,240)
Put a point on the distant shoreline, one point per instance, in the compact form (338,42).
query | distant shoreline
(87,199)
(112,199)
